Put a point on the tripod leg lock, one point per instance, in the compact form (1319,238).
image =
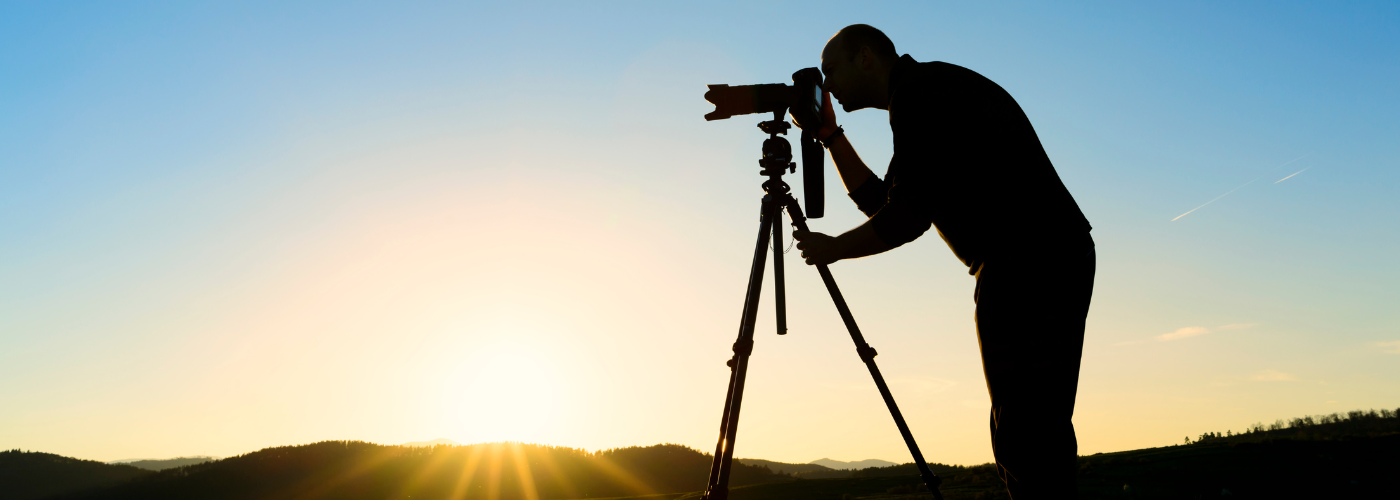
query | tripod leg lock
(866,352)
(743,347)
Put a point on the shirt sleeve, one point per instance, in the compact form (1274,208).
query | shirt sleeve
(902,219)
(871,195)
(908,209)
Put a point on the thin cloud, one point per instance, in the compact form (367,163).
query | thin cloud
(1187,332)
(1272,376)
(1391,347)
(1181,333)
(1290,176)
(1237,326)
(1203,205)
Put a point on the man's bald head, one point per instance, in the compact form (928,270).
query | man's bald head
(856,66)
(852,39)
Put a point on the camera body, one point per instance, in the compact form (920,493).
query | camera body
(804,99)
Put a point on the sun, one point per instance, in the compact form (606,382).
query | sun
(507,392)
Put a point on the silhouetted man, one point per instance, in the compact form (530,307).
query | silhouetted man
(967,162)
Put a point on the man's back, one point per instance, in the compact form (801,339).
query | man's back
(967,160)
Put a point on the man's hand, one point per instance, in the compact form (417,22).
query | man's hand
(818,248)
(828,119)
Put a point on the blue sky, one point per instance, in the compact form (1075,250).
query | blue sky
(225,226)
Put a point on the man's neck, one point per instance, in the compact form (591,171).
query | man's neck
(882,84)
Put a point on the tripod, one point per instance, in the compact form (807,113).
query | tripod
(777,160)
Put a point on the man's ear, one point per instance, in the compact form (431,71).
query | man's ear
(868,59)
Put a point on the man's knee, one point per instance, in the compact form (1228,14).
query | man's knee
(1032,431)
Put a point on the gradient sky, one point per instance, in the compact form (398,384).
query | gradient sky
(235,225)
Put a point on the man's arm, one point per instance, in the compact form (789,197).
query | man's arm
(848,164)
(818,248)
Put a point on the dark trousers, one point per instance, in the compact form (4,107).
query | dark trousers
(1030,326)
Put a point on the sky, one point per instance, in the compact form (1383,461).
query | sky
(226,226)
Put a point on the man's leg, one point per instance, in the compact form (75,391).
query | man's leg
(1030,325)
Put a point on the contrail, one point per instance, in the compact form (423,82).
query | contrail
(1286,178)
(1289,162)
(1216,198)
(1246,184)
(1285,164)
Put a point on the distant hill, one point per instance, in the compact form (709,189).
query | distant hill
(860,464)
(784,468)
(1353,467)
(816,471)
(1352,455)
(435,442)
(32,475)
(352,470)
(169,463)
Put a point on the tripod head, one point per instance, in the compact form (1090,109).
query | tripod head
(777,152)
(777,160)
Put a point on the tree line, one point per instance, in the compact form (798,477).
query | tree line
(359,470)
(1331,426)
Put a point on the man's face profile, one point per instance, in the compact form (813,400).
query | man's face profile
(833,77)
(842,75)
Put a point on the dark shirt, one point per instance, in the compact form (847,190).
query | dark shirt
(967,161)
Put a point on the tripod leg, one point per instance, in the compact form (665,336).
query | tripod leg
(779,294)
(718,487)
(867,354)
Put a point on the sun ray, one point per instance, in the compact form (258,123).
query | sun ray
(560,478)
(493,473)
(620,474)
(439,455)
(459,491)
(523,473)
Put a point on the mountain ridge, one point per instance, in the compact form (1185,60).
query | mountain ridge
(856,465)
(160,464)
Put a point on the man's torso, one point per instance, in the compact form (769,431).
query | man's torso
(976,166)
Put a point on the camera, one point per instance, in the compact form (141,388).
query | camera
(804,99)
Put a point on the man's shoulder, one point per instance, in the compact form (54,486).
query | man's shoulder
(952,88)
(944,74)
(935,84)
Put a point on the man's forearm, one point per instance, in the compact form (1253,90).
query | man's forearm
(818,248)
(861,242)
(852,169)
